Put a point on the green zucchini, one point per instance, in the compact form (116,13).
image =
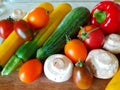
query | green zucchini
(69,26)
(28,50)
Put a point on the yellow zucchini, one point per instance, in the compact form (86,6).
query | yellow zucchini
(10,45)
(28,49)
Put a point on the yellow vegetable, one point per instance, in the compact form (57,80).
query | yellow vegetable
(114,84)
(28,49)
(10,45)
(55,18)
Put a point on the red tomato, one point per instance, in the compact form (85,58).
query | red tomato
(6,27)
(30,71)
(92,36)
(23,29)
(75,50)
(38,18)
(82,76)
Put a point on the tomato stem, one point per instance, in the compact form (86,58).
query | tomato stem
(79,64)
(10,18)
(84,35)
(67,38)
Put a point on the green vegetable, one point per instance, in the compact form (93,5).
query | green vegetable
(28,49)
(69,26)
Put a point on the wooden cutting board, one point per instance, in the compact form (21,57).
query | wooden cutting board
(12,82)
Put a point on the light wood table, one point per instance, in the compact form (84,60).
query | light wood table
(12,82)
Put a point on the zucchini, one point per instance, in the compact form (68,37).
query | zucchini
(13,41)
(69,26)
(28,49)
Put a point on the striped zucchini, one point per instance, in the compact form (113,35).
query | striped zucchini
(28,49)
(69,26)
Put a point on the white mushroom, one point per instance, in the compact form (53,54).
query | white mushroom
(17,14)
(112,43)
(58,68)
(103,63)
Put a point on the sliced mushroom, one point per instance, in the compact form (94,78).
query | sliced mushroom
(58,68)
(112,43)
(102,63)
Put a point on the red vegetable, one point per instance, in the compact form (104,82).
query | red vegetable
(23,29)
(75,49)
(30,71)
(82,76)
(6,27)
(106,14)
(38,18)
(92,36)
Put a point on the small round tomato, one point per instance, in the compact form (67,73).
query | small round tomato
(23,29)
(38,18)
(6,27)
(30,71)
(92,36)
(82,76)
(75,50)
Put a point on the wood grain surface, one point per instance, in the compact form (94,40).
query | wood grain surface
(12,82)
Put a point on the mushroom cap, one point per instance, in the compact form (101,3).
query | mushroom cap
(17,14)
(112,43)
(58,68)
(102,63)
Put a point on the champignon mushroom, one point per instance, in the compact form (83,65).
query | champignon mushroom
(112,43)
(102,63)
(58,68)
(17,14)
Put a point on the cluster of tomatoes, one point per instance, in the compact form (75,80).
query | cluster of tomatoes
(89,37)
(36,19)
(25,29)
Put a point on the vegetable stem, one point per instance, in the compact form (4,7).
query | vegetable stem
(79,64)
(100,15)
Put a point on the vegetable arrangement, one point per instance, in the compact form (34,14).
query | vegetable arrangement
(22,55)
(14,40)
(63,42)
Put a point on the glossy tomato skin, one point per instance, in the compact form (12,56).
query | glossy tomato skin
(6,27)
(76,50)
(95,39)
(30,71)
(82,77)
(38,18)
(23,29)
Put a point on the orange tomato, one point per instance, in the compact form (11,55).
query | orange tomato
(75,50)
(30,71)
(38,18)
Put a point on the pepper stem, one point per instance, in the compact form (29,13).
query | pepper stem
(99,15)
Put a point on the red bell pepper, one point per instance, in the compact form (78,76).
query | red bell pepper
(106,15)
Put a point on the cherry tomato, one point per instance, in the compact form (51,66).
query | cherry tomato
(23,29)
(82,76)
(75,50)
(6,27)
(30,71)
(38,18)
(92,36)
